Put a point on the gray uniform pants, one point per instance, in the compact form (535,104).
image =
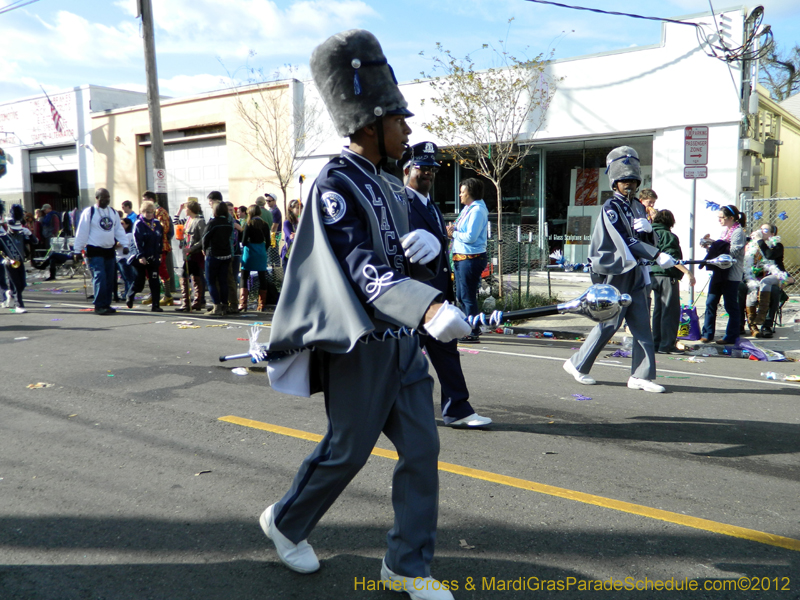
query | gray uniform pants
(378,387)
(637,315)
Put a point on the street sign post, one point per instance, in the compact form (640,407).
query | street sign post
(160,181)
(695,172)
(695,153)
(695,147)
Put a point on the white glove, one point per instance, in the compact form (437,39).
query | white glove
(420,246)
(665,261)
(448,324)
(642,225)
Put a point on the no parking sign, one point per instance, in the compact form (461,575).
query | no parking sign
(160,181)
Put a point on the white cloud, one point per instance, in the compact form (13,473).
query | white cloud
(232,29)
(62,48)
(73,38)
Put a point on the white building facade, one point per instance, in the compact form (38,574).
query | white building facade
(644,97)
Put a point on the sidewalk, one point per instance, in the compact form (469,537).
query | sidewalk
(566,286)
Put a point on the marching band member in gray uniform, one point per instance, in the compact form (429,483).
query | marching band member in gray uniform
(622,238)
(350,275)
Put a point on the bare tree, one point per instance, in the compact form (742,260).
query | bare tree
(483,116)
(281,127)
(780,72)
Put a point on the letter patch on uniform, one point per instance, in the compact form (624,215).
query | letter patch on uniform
(612,216)
(333,207)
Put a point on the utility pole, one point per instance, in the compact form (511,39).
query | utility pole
(145,10)
(153,101)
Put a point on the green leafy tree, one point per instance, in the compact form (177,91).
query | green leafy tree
(483,115)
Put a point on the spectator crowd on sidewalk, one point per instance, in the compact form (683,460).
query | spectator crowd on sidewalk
(234,253)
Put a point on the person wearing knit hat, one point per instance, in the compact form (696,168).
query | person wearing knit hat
(356,272)
(623,238)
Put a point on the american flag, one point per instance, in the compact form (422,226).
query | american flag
(56,116)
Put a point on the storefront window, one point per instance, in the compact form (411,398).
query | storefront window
(569,199)
(520,190)
(576,187)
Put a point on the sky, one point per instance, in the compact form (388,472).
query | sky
(203,45)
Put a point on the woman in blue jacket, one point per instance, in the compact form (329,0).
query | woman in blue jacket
(469,234)
(148,236)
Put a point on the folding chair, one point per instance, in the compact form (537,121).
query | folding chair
(779,312)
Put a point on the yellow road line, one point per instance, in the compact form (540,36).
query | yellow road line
(541,488)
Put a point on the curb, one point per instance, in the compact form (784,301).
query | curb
(564,334)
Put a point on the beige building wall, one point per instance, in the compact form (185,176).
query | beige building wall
(120,158)
(788,175)
(780,176)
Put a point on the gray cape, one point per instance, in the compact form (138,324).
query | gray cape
(318,306)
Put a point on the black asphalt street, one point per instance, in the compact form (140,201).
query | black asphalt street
(120,480)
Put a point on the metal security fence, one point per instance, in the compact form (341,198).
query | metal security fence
(524,254)
(784,213)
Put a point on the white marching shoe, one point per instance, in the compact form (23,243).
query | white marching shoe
(298,557)
(418,588)
(579,377)
(471,422)
(20,310)
(645,384)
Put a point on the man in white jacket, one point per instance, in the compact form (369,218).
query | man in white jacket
(99,230)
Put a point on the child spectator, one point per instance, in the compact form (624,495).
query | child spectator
(123,249)
(666,286)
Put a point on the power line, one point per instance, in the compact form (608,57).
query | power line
(616,14)
(714,49)
(16,4)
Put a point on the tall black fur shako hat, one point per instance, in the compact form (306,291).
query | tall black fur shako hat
(355,81)
(623,163)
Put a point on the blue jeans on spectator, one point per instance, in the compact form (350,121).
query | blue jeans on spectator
(128,274)
(217,278)
(468,281)
(103,278)
(729,294)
